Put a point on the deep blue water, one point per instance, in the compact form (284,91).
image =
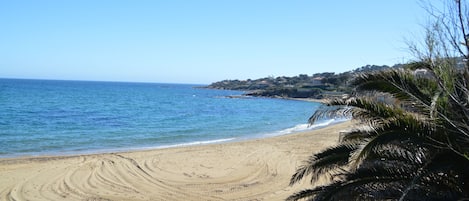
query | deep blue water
(44,117)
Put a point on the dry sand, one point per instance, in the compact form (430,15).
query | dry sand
(249,170)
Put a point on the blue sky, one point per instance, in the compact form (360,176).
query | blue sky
(201,41)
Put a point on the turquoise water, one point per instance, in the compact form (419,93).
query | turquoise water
(44,117)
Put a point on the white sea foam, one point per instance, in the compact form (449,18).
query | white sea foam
(305,127)
(197,143)
(297,128)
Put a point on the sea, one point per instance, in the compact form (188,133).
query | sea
(50,117)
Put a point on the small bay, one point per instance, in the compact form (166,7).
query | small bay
(48,117)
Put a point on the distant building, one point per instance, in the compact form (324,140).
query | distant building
(317,81)
(422,73)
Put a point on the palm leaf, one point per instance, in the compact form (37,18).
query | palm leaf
(364,187)
(402,85)
(414,144)
(363,109)
(357,135)
(443,178)
(399,131)
(308,193)
(322,162)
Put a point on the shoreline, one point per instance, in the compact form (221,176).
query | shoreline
(314,100)
(64,154)
(287,131)
(244,170)
(195,116)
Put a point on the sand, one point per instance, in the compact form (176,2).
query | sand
(249,170)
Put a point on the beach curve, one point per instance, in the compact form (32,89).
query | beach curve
(257,169)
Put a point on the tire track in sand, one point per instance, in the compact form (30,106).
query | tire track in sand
(104,177)
(250,170)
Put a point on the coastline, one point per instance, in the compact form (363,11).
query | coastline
(288,131)
(244,170)
(315,100)
(141,116)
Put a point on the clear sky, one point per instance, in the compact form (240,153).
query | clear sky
(201,41)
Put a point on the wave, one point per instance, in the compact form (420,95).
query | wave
(196,143)
(295,129)
(114,150)
(104,151)
(306,127)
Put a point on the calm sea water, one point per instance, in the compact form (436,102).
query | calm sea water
(44,117)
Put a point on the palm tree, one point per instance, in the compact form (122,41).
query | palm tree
(415,146)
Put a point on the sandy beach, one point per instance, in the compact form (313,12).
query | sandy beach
(249,170)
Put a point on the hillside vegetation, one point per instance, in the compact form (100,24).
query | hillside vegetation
(319,85)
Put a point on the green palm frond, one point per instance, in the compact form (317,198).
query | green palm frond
(386,180)
(323,162)
(330,112)
(442,178)
(402,85)
(412,146)
(363,185)
(307,193)
(369,109)
(357,135)
(363,109)
(380,142)
(405,153)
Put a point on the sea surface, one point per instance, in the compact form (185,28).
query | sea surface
(45,117)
